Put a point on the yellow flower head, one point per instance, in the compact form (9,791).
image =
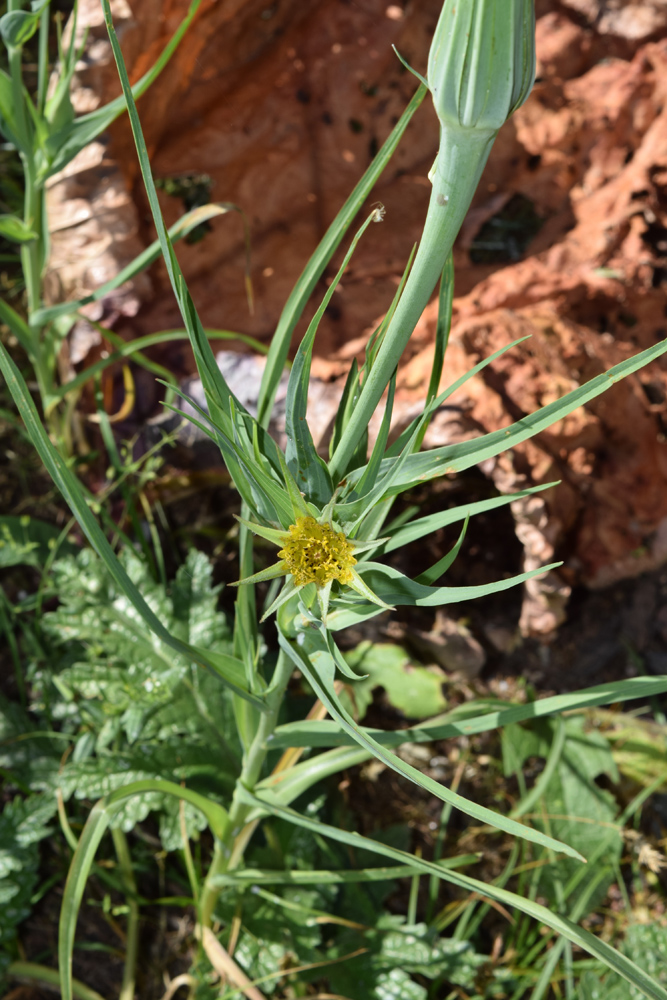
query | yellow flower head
(317,553)
(312,552)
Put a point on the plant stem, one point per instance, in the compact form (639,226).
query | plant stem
(30,252)
(33,215)
(130,888)
(50,978)
(461,158)
(250,774)
(43,59)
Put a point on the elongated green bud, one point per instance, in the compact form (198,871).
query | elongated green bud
(481,64)
(480,69)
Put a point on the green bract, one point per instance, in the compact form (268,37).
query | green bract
(481,65)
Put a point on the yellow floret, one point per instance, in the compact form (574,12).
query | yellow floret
(316,553)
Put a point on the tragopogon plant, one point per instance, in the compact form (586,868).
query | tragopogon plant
(331,520)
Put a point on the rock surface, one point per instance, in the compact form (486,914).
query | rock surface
(283,104)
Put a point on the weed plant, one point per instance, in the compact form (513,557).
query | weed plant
(169,708)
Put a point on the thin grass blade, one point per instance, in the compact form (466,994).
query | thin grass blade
(438,569)
(309,470)
(396,589)
(455,458)
(442,331)
(96,826)
(424,526)
(181,228)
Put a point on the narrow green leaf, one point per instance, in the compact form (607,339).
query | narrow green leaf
(438,569)
(318,667)
(424,526)
(433,404)
(529,801)
(246,638)
(454,458)
(580,937)
(442,331)
(18,326)
(360,587)
(13,228)
(370,474)
(351,391)
(216,814)
(309,470)
(132,347)
(352,513)
(49,978)
(314,268)
(66,143)
(181,228)
(375,341)
(262,458)
(96,826)
(256,876)
(272,572)
(270,534)
(288,590)
(289,784)
(218,395)
(299,506)
(326,733)
(264,497)
(396,589)
(8,124)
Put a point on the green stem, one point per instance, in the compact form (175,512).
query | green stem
(250,774)
(461,158)
(130,889)
(31,253)
(43,59)
(50,978)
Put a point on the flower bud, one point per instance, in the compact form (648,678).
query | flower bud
(481,65)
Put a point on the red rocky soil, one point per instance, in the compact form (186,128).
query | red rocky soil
(283,104)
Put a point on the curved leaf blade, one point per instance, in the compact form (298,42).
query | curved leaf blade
(455,458)
(96,826)
(328,733)
(396,589)
(319,670)
(577,935)
(314,268)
